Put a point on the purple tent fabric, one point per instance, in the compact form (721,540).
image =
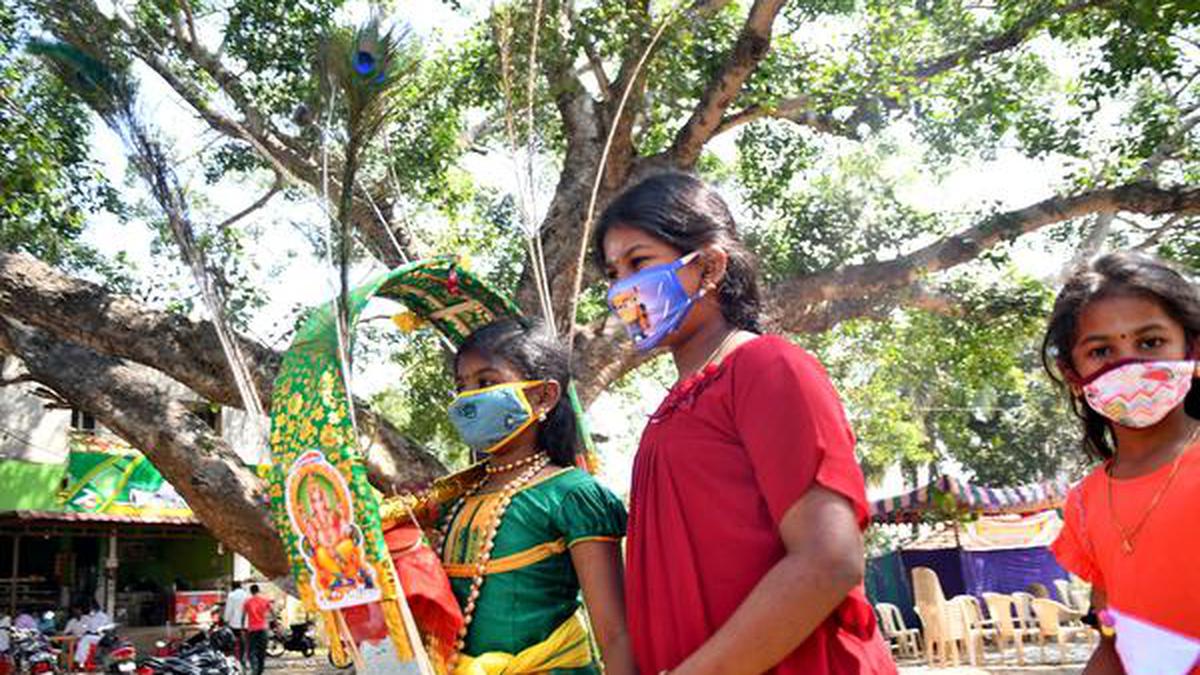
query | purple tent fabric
(946,562)
(974,572)
(1008,570)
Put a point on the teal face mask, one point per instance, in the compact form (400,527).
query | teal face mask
(488,418)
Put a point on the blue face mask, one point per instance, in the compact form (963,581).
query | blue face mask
(653,302)
(488,418)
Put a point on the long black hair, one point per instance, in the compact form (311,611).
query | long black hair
(1123,273)
(688,214)
(535,352)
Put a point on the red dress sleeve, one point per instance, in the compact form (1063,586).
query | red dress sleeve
(793,427)
(1071,548)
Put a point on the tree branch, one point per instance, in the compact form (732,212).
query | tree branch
(1157,236)
(603,355)
(819,301)
(807,113)
(751,46)
(825,316)
(797,297)
(80,312)
(84,313)
(133,402)
(258,204)
(286,154)
(595,63)
(1170,145)
(798,110)
(1093,241)
(1013,36)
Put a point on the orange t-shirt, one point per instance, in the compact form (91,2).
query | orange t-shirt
(1159,581)
(258,613)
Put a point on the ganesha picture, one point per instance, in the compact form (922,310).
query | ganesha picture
(632,312)
(321,512)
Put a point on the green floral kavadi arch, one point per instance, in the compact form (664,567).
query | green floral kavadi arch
(324,508)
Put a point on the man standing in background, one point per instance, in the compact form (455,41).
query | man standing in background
(235,617)
(258,616)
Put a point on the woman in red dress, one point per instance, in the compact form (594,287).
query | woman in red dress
(745,548)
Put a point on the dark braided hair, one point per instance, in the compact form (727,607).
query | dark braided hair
(686,213)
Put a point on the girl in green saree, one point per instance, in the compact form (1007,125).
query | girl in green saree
(532,530)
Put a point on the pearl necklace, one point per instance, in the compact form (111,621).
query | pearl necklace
(488,543)
(511,466)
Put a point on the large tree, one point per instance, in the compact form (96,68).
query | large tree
(813,93)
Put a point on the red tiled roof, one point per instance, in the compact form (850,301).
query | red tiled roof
(72,517)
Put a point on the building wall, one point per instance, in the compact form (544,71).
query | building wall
(32,433)
(247,438)
(29,486)
(28,431)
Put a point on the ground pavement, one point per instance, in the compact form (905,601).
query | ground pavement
(319,665)
(1037,664)
(293,662)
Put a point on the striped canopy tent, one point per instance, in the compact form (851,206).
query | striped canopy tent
(948,492)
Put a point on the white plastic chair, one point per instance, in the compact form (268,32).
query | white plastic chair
(906,641)
(942,620)
(976,629)
(1001,608)
(1063,588)
(1059,623)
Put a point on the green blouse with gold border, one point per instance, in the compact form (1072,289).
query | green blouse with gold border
(531,587)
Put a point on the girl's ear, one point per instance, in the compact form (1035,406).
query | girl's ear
(714,262)
(544,397)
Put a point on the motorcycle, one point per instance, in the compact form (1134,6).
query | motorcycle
(206,653)
(113,653)
(302,638)
(31,653)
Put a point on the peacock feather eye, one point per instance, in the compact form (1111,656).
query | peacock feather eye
(364,62)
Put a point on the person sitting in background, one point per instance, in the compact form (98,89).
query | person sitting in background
(1038,590)
(75,627)
(93,622)
(25,621)
(5,627)
(48,625)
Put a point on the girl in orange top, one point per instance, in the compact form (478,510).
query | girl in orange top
(1124,338)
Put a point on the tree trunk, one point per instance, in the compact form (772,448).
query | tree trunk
(134,402)
(83,313)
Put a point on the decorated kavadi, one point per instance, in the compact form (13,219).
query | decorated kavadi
(325,510)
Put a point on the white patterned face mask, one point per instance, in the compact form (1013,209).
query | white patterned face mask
(1139,394)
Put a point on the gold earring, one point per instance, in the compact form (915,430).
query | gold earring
(542,416)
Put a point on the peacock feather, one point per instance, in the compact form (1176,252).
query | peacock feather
(363,71)
(107,90)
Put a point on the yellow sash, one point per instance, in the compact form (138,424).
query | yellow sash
(567,647)
(508,563)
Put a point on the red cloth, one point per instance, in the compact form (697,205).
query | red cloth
(725,456)
(426,588)
(258,612)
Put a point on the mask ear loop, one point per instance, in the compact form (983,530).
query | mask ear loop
(705,288)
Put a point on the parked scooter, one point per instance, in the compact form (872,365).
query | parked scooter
(113,654)
(301,638)
(31,652)
(206,653)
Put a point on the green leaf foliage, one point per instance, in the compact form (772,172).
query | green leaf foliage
(49,182)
